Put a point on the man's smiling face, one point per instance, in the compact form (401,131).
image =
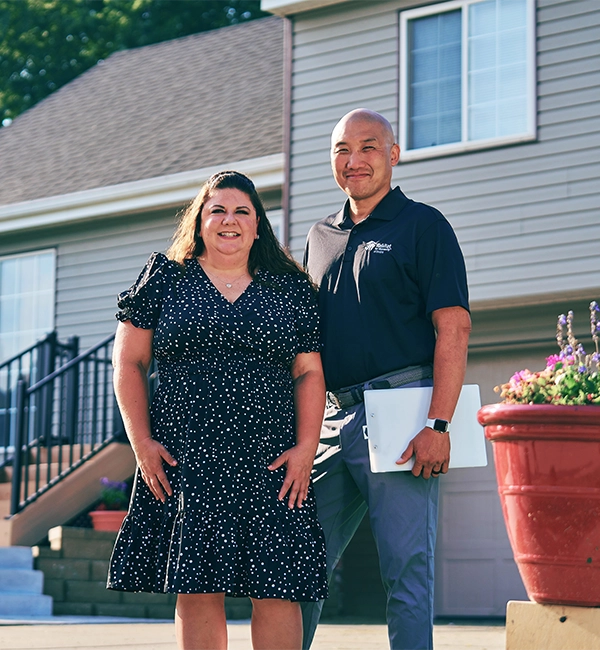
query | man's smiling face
(363,155)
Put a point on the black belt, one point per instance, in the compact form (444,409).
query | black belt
(346,397)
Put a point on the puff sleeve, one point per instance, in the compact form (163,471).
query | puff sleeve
(142,302)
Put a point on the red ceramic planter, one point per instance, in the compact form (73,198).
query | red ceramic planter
(548,470)
(107,519)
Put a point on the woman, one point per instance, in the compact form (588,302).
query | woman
(226,449)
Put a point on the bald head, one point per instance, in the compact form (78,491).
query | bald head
(363,155)
(368,117)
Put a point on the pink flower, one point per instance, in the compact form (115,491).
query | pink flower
(552,360)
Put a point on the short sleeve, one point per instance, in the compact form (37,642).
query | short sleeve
(308,327)
(141,304)
(442,273)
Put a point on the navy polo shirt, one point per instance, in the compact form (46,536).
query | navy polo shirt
(379,281)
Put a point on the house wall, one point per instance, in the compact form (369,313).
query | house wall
(527,218)
(515,209)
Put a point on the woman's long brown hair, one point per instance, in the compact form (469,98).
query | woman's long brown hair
(266,252)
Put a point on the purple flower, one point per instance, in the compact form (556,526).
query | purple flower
(582,369)
(569,350)
(562,319)
(594,306)
(113,485)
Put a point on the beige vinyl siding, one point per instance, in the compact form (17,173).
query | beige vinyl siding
(528,215)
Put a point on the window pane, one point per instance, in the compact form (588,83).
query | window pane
(26,300)
(482,53)
(8,277)
(8,313)
(8,343)
(511,13)
(482,120)
(512,80)
(482,18)
(27,274)
(483,87)
(435,79)
(511,117)
(44,312)
(27,305)
(497,69)
(46,271)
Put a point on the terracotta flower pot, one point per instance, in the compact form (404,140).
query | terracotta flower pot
(548,470)
(107,519)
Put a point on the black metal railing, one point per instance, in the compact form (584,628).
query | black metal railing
(61,421)
(32,365)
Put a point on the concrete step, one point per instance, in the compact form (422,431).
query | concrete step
(20,585)
(25,605)
(21,581)
(16,557)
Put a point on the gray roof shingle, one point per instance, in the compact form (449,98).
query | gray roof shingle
(193,102)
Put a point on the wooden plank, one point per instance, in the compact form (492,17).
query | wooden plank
(551,627)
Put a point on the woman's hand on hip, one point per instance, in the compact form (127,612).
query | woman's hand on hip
(298,461)
(151,456)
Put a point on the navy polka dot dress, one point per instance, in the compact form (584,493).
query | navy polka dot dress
(224,409)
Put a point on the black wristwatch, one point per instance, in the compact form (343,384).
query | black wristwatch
(441,426)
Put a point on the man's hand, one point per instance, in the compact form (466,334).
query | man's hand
(432,453)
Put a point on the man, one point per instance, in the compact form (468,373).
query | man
(394,303)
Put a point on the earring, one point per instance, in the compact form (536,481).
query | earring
(257,237)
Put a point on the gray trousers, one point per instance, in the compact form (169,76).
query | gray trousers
(403,515)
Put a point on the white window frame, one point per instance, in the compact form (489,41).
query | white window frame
(465,145)
(275,218)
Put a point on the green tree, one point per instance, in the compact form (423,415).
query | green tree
(44,44)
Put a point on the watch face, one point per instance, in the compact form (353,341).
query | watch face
(441,426)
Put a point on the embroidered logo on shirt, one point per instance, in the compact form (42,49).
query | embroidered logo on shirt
(378,247)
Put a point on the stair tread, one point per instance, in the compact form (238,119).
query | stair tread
(25,605)
(21,581)
(16,557)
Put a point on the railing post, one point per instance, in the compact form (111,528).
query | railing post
(18,457)
(72,393)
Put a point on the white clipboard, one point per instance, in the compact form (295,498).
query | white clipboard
(395,416)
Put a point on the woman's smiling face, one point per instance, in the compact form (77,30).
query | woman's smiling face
(228,222)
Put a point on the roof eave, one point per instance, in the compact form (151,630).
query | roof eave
(289,7)
(133,197)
